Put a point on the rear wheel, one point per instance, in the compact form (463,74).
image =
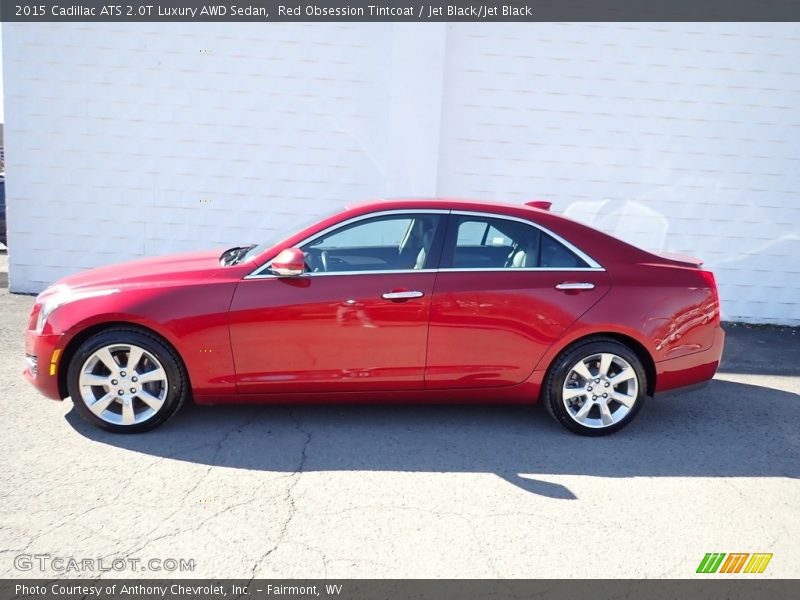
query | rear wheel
(595,388)
(126,380)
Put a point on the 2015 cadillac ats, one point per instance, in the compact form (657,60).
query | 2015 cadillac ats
(401,300)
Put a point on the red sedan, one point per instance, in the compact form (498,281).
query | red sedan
(432,300)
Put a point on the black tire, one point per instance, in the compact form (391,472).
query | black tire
(552,388)
(177,389)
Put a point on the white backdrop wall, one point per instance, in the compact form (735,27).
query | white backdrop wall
(131,140)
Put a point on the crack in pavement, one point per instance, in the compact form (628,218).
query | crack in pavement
(220,444)
(72,517)
(289,498)
(465,517)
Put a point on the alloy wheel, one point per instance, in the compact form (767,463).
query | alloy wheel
(123,384)
(600,390)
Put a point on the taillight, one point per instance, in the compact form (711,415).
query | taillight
(708,277)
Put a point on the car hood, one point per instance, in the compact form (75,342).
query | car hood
(163,270)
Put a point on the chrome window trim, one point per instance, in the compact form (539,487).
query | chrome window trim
(257,274)
(594,266)
(377,272)
(520,269)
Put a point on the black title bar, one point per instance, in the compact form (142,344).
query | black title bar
(714,587)
(403,10)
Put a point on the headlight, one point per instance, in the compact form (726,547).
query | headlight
(65,296)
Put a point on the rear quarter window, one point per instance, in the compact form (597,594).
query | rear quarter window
(555,255)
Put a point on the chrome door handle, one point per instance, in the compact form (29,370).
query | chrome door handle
(574,285)
(402,295)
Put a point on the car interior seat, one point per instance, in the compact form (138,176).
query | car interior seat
(427,240)
(524,255)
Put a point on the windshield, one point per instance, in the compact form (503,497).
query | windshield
(293,224)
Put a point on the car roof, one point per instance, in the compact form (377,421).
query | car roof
(602,247)
(597,244)
(440,203)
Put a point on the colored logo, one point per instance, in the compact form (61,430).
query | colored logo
(737,562)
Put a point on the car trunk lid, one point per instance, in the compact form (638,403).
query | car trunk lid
(683,260)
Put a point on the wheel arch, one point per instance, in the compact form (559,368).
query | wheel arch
(84,334)
(630,342)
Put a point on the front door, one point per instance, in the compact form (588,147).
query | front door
(357,320)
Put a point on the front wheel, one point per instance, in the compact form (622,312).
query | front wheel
(595,388)
(126,381)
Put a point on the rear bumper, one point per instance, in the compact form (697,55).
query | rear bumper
(691,371)
(42,353)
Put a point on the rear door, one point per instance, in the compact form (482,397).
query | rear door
(506,290)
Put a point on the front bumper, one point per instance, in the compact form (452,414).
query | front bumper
(690,371)
(43,354)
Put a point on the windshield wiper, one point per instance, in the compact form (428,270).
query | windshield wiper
(234,255)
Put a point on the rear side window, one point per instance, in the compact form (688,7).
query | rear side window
(496,243)
(555,255)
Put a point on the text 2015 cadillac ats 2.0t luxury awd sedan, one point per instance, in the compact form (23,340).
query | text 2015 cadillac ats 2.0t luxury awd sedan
(396,300)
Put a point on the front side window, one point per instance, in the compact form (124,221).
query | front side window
(496,243)
(385,243)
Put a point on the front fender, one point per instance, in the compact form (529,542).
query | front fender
(193,319)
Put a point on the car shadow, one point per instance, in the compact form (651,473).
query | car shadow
(725,430)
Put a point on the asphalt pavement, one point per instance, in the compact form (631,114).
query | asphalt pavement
(406,491)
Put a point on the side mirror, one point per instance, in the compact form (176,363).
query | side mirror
(289,263)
